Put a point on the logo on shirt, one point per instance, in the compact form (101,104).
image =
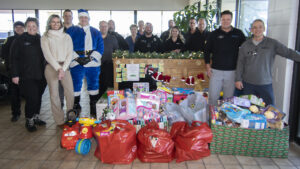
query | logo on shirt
(27,43)
(220,36)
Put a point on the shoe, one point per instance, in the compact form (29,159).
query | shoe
(30,126)
(15,118)
(38,121)
(93,110)
(77,104)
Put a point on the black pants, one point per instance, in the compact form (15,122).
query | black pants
(106,77)
(15,99)
(32,90)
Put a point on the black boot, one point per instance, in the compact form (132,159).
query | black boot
(93,101)
(30,126)
(15,117)
(77,104)
(38,121)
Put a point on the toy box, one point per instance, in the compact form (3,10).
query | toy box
(138,124)
(140,87)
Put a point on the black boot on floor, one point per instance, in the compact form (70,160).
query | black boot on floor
(15,118)
(30,126)
(93,101)
(38,121)
(77,104)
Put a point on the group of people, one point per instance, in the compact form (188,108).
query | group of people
(67,53)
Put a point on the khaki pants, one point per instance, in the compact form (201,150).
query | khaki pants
(67,83)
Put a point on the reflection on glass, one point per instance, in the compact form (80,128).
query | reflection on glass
(167,15)
(153,17)
(251,10)
(97,16)
(6,24)
(43,17)
(123,20)
(22,15)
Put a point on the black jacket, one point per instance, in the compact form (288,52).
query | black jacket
(165,35)
(224,47)
(144,44)
(110,45)
(6,47)
(196,42)
(169,45)
(27,59)
(121,41)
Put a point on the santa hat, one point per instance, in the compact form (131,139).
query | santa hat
(190,80)
(167,79)
(201,76)
(83,12)
(158,76)
(149,70)
(183,79)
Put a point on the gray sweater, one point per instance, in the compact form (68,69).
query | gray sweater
(255,63)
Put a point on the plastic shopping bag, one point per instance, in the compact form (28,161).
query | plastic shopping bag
(191,142)
(155,144)
(116,142)
(173,111)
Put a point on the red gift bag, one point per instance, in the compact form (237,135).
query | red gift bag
(191,142)
(155,144)
(116,142)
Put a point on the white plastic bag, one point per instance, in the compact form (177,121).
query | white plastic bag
(173,112)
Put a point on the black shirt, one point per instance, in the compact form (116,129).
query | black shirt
(165,35)
(110,45)
(196,42)
(27,59)
(6,47)
(144,44)
(121,41)
(224,47)
(170,45)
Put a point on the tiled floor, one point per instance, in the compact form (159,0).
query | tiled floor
(41,150)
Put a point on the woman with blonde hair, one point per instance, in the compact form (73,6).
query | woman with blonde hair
(175,41)
(57,47)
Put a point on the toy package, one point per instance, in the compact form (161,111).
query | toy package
(234,112)
(254,100)
(138,124)
(274,117)
(178,98)
(165,94)
(127,109)
(243,102)
(147,106)
(114,97)
(186,91)
(140,87)
(254,121)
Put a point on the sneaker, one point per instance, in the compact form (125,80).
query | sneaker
(38,121)
(15,118)
(30,126)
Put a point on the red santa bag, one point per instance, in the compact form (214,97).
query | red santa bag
(191,142)
(155,144)
(116,142)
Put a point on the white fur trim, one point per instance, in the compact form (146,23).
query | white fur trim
(93,92)
(88,41)
(93,63)
(75,55)
(77,93)
(73,63)
(96,55)
(83,14)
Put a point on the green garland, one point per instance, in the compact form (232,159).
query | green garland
(154,55)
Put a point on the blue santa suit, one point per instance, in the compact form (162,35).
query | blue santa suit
(84,39)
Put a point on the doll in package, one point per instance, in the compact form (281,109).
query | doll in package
(147,106)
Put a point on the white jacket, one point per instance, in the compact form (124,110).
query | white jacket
(57,47)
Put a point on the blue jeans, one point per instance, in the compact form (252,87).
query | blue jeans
(263,91)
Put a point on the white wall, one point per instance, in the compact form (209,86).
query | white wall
(95,4)
(282,24)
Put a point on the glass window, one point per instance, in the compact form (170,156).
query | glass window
(251,10)
(43,18)
(229,5)
(123,20)
(22,15)
(6,24)
(167,15)
(97,16)
(153,17)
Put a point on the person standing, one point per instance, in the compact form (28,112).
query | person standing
(15,97)
(27,71)
(57,47)
(175,41)
(141,29)
(88,49)
(132,39)
(121,41)
(68,19)
(110,45)
(165,35)
(191,36)
(148,42)
(202,35)
(256,60)
(223,44)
